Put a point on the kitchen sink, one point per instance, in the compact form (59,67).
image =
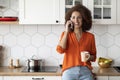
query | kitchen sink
(117,68)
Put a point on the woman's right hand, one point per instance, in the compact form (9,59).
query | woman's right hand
(67,25)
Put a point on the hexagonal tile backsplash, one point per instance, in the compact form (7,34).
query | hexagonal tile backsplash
(24,41)
(11,8)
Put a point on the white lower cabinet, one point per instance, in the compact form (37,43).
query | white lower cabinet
(114,77)
(52,78)
(32,77)
(102,78)
(108,78)
(1,78)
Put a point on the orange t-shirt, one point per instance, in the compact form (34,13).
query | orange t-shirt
(74,47)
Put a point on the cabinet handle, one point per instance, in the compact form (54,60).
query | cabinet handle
(57,21)
(37,78)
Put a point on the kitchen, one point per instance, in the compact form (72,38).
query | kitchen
(23,40)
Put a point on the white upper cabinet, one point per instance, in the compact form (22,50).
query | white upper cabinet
(103,11)
(53,11)
(71,3)
(41,11)
(62,11)
(118,11)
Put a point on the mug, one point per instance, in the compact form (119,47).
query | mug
(83,56)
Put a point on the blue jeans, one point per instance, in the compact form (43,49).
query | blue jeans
(77,73)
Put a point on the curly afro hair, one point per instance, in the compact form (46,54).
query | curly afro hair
(86,16)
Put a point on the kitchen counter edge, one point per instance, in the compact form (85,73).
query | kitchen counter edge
(5,71)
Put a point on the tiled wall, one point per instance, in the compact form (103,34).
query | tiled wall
(10,8)
(24,41)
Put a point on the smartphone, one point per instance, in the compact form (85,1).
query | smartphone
(71,26)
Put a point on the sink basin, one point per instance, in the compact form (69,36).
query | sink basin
(117,68)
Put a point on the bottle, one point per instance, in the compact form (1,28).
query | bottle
(11,63)
(17,63)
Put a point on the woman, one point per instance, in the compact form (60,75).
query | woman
(73,41)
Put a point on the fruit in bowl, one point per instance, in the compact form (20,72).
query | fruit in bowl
(104,62)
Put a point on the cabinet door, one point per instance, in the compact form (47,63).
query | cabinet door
(47,78)
(32,77)
(114,77)
(39,11)
(118,12)
(62,12)
(14,78)
(1,78)
(71,3)
(103,11)
(102,77)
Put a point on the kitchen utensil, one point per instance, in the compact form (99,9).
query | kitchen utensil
(35,63)
(83,56)
(8,18)
(104,62)
(11,66)
(117,68)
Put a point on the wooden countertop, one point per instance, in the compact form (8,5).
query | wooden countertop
(105,71)
(5,71)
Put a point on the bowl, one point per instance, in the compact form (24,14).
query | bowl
(104,62)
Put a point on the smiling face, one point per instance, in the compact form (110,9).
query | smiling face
(76,18)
